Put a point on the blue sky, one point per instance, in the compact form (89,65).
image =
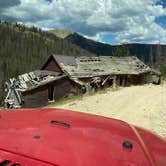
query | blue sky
(49,1)
(109,39)
(162,19)
(110,21)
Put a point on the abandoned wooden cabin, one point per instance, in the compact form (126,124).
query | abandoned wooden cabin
(102,71)
(63,76)
(36,89)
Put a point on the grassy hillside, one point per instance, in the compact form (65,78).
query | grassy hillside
(24,49)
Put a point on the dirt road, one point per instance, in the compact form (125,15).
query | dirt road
(140,105)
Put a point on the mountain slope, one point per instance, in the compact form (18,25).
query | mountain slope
(24,49)
(153,54)
(90,45)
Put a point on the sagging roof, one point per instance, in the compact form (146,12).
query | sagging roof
(156,72)
(81,67)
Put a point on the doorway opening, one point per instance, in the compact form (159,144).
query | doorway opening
(51,93)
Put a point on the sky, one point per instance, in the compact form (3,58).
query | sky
(109,21)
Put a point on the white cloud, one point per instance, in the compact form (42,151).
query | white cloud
(8,3)
(5,5)
(129,20)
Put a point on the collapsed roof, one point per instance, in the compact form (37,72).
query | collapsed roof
(27,82)
(32,80)
(82,67)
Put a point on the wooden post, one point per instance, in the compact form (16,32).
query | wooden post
(114,82)
(123,81)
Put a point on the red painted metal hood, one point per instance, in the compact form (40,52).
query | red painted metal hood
(48,137)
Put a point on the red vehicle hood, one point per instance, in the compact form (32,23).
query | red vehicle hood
(61,137)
